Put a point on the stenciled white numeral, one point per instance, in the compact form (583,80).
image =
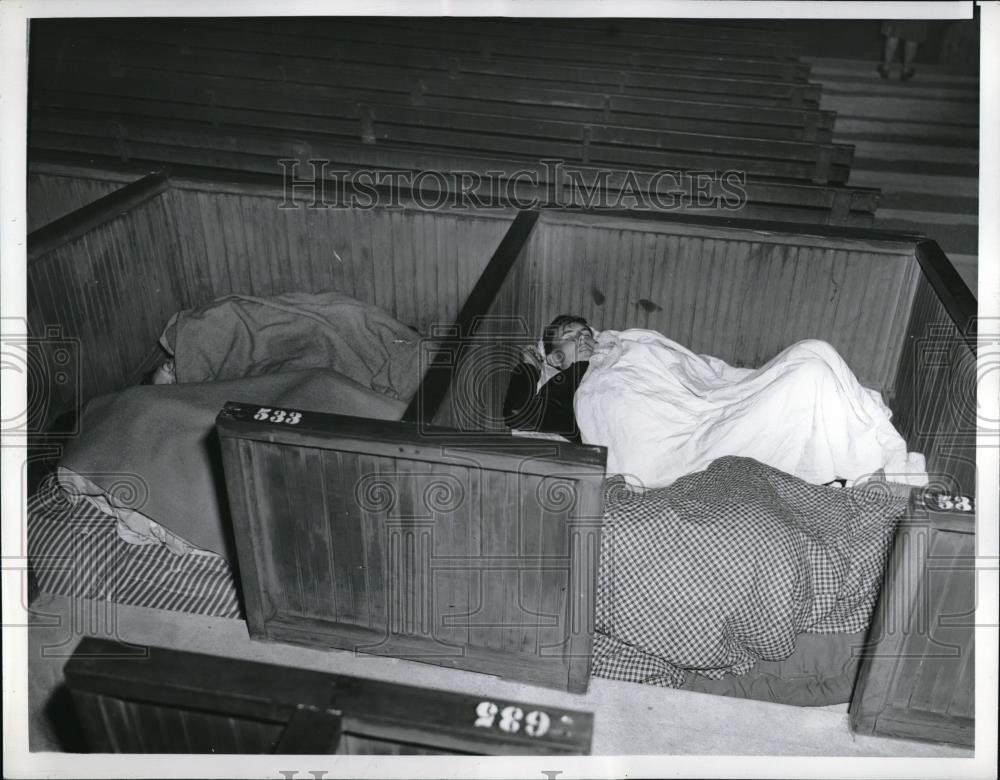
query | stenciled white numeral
(958,503)
(945,502)
(278,415)
(536,724)
(486,712)
(510,719)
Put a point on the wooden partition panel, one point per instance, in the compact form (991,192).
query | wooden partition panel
(418,265)
(97,301)
(935,388)
(474,353)
(104,280)
(133,699)
(476,552)
(51,197)
(738,294)
(917,676)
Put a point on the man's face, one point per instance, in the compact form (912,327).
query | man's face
(575,342)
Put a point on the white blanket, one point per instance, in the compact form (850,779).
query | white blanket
(663,411)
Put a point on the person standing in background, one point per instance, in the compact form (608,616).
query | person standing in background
(912,32)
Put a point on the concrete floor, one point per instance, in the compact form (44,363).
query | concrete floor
(629,719)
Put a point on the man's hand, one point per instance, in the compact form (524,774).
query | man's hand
(531,356)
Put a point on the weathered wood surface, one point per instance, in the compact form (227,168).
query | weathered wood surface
(221,87)
(476,550)
(731,192)
(153,700)
(935,389)
(439,96)
(357,117)
(916,679)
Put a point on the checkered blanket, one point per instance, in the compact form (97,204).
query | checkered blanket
(726,566)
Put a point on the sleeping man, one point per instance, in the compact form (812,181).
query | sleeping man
(663,411)
(541,390)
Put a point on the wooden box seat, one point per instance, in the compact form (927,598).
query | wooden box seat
(737,290)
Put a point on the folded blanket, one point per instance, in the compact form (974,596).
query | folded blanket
(239,335)
(663,411)
(726,567)
(150,455)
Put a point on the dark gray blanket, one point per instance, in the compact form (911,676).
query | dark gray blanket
(152,452)
(241,336)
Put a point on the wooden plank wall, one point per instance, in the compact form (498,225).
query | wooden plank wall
(51,197)
(739,295)
(107,296)
(111,291)
(935,393)
(417,265)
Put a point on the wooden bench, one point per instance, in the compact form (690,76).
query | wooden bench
(171,143)
(433,37)
(136,699)
(658,35)
(519,137)
(217,85)
(295,59)
(765,198)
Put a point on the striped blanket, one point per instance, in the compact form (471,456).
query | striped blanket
(75,550)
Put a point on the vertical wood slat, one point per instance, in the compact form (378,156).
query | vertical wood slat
(344,539)
(462,521)
(380,256)
(123,726)
(914,679)
(171,701)
(763,294)
(322,589)
(934,393)
(104,297)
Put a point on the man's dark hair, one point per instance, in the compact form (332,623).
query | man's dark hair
(550,336)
